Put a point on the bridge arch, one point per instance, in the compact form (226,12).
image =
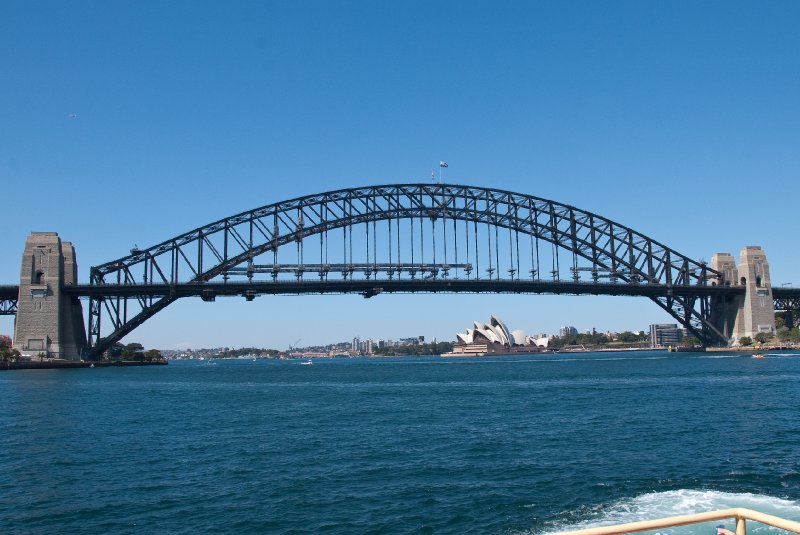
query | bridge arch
(598,255)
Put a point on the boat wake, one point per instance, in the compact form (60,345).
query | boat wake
(681,502)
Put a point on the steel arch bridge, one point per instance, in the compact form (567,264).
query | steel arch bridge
(403,238)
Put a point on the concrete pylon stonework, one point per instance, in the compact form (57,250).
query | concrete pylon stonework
(757,313)
(49,322)
(753,312)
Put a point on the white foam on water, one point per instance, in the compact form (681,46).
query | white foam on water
(685,501)
(723,356)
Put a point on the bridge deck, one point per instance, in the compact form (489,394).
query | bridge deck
(373,287)
(10,292)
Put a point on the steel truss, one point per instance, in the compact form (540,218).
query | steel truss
(787,300)
(8,307)
(8,300)
(588,244)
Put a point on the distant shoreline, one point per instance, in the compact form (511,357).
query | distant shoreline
(554,352)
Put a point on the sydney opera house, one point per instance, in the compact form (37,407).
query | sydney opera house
(492,338)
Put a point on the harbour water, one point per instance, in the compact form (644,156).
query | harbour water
(501,445)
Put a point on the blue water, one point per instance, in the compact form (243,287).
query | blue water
(424,445)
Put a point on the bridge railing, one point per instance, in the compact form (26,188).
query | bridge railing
(739,514)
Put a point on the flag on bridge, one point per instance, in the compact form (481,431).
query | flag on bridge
(442,164)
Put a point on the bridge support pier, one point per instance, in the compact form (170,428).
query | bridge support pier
(754,312)
(49,322)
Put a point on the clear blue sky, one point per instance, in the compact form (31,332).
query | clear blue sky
(131,122)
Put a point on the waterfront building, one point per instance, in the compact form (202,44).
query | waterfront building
(665,335)
(492,338)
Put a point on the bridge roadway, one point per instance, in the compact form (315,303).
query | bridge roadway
(10,292)
(371,287)
(785,298)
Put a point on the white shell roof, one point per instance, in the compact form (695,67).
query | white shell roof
(494,331)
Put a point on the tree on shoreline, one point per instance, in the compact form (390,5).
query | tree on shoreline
(7,353)
(433,348)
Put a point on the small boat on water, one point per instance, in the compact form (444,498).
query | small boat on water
(307,363)
(758,356)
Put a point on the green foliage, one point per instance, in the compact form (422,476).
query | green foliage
(691,341)
(152,354)
(789,335)
(746,341)
(630,337)
(233,353)
(6,352)
(762,338)
(419,349)
(133,351)
(588,340)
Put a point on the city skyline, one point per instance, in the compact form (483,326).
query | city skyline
(403,338)
(636,112)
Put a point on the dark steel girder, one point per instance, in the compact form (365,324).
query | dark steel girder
(188,289)
(786,299)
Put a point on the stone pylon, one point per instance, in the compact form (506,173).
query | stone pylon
(49,322)
(754,312)
(757,314)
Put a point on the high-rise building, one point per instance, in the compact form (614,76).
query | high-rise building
(356,343)
(567,330)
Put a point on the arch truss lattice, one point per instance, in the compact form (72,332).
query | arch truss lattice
(402,238)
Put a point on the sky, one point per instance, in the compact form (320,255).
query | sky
(130,122)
